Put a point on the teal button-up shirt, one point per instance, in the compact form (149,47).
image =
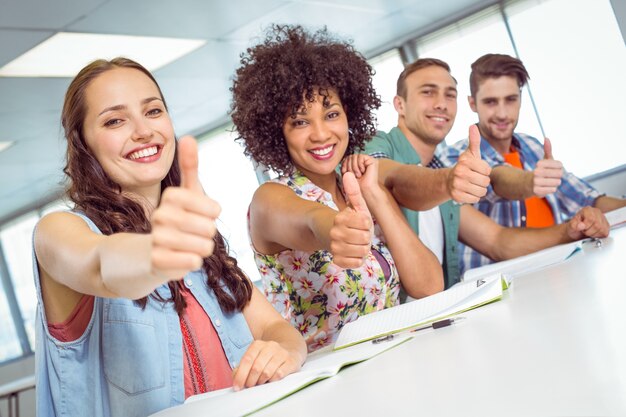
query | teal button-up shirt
(394,145)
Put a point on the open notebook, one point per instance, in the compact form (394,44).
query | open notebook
(525,264)
(616,218)
(319,365)
(459,298)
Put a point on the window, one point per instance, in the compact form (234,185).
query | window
(460,45)
(9,342)
(17,247)
(577,72)
(388,67)
(229,178)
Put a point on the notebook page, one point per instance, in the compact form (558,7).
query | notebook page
(459,298)
(524,264)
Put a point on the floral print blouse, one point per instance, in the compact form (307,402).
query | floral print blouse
(315,295)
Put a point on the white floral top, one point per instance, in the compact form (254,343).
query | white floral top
(315,295)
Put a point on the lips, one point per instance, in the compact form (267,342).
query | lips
(323,153)
(147,152)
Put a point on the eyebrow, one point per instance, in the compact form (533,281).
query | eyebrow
(429,85)
(122,106)
(303,113)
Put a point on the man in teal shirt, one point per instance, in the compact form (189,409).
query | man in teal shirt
(426,103)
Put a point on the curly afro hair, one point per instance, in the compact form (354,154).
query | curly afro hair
(291,64)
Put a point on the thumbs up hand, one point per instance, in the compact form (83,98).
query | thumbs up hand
(469,178)
(351,233)
(548,172)
(183,225)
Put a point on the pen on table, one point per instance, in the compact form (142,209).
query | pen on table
(597,242)
(435,325)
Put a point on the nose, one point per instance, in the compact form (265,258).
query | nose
(319,131)
(501,111)
(141,130)
(440,102)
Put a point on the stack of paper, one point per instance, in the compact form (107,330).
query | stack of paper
(616,217)
(524,264)
(461,297)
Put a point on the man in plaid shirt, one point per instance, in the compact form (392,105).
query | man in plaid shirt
(539,192)
(426,103)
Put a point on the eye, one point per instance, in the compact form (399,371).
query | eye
(451,95)
(332,115)
(298,123)
(154,112)
(112,122)
(427,92)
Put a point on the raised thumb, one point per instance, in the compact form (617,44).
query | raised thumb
(353,193)
(547,148)
(188,162)
(474,141)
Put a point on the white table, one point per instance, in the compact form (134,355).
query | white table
(11,391)
(555,345)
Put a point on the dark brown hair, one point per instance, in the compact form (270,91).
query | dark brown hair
(290,64)
(415,66)
(102,200)
(495,66)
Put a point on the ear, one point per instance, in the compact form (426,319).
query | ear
(472,103)
(398,104)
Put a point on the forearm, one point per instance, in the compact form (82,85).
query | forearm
(606,203)
(281,332)
(418,188)
(320,222)
(514,242)
(419,270)
(512,183)
(125,266)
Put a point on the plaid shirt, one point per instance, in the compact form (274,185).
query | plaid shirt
(572,195)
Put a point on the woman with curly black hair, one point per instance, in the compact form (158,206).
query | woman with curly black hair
(301,102)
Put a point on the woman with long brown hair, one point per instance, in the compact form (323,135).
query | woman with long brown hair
(140,305)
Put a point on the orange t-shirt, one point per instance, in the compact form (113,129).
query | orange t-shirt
(538,211)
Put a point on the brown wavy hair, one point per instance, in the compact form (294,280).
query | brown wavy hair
(496,66)
(102,200)
(416,66)
(290,64)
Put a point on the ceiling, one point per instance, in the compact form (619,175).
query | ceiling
(196,86)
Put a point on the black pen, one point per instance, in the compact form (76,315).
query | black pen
(439,324)
(435,325)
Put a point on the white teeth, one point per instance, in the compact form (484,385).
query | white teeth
(143,153)
(438,119)
(322,152)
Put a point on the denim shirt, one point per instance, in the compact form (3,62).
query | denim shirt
(128,362)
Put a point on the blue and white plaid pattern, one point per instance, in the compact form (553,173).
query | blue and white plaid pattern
(435,163)
(572,195)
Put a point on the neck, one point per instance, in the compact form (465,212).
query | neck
(424,149)
(149,198)
(501,146)
(328,183)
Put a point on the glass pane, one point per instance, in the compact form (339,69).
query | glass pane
(577,71)
(460,45)
(387,66)
(229,178)
(9,344)
(17,245)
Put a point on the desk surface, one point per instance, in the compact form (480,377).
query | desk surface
(555,345)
